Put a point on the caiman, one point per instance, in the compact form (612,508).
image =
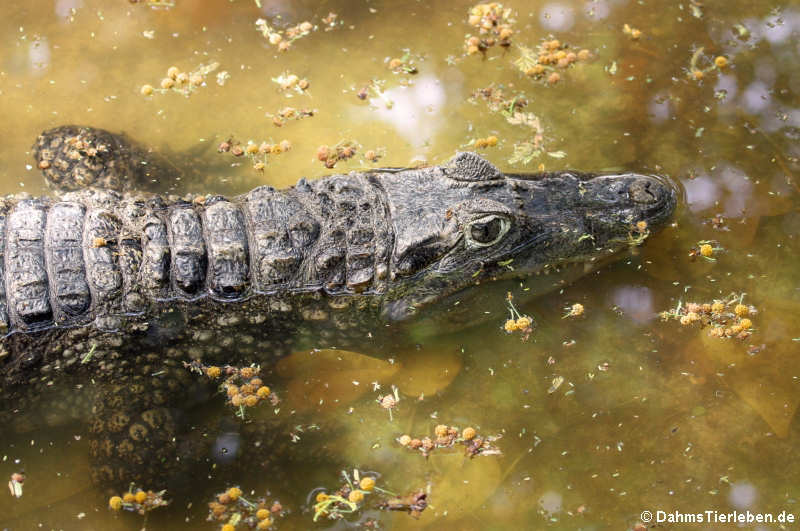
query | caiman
(109,283)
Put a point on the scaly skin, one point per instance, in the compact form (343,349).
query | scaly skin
(118,285)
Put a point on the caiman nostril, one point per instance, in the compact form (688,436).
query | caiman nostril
(640,191)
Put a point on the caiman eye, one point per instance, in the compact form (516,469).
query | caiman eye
(486,231)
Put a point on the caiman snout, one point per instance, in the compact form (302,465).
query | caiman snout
(645,191)
(655,197)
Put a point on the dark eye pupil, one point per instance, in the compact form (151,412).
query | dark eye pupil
(485,231)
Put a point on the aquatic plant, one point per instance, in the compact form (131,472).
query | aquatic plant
(725,318)
(361,492)
(138,500)
(231,509)
(449,437)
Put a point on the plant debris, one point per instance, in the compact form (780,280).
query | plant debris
(241,385)
(518,322)
(389,401)
(15,484)
(551,58)
(374,155)
(404,64)
(705,249)
(155,4)
(362,492)
(576,310)
(725,318)
(286,114)
(230,509)
(180,81)
(288,81)
(138,500)
(449,437)
(493,22)
(489,141)
(413,503)
(701,64)
(376,89)
(258,153)
(344,150)
(284,39)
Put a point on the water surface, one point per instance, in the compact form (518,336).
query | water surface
(650,415)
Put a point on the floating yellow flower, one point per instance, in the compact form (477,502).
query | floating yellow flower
(367,484)
(115,503)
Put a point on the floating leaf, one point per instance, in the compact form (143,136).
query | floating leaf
(15,485)
(556,383)
(525,118)
(741,31)
(524,153)
(557,154)
(528,58)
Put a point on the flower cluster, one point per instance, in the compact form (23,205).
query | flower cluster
(518,322)
(284,39)
(725,318)
(331,155)
(258,153)
(280,118)
(231,509)
(450,437)
(705,249)
(138,500)
(493,22)
(549,59)
(355,494)
(181,82)
(241,385)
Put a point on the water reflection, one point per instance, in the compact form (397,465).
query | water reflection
(660,108)
(551,503)
(743,495)
(756,97)
(226,447)
(636,302)
(728,189)
(65,8)
(557,16)
(415,111)
(597,9)
(39,55)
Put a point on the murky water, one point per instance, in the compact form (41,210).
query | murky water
(604,415)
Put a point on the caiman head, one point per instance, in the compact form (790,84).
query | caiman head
(466,223)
